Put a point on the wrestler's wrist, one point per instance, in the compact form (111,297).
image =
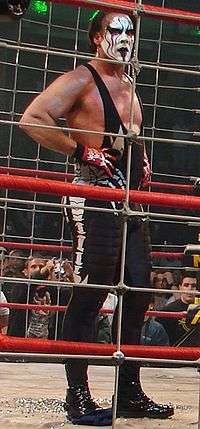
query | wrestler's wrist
(79,151)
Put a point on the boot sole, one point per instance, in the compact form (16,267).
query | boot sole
(128,414)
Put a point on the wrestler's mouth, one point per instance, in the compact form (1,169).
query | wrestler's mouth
(123,52)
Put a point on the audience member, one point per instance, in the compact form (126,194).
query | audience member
(64,273)
(39,319)
(24,294)
(162,280)
(37,323)
(104,320)
(13,266)
(153,333)
(4,314)
(179,332)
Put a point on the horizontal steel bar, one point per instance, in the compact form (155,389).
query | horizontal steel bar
(91,57)
(133,213)
(79,130)
(118,287)
(61,359)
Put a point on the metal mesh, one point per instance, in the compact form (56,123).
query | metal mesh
(170,101)
(169,98)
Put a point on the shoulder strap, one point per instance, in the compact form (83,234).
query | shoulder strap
(111,115)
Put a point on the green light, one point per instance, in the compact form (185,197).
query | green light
(196,32)
(40,7)
(94,14)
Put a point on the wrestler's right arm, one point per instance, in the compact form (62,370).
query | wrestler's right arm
(56,101)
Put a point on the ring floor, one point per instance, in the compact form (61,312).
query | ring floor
(32,396)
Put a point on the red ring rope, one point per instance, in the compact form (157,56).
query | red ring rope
(36,246)
(28,345)
(170,255)
(69,176)
(96,192)
(167,314)
(39,173)
(170,186)
(68,249)
(145,10)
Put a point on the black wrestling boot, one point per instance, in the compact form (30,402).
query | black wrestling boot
(83,410)
(79,401)
(133,403)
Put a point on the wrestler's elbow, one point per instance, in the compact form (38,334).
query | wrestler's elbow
(30,120)
(29,117)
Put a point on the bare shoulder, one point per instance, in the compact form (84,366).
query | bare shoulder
(78,77)
(62,94)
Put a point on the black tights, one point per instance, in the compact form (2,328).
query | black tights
(79,321)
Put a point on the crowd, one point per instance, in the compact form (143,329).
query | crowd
(44,323)
(35,323)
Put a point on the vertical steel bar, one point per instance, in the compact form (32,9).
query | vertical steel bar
(156,93)
(125,226)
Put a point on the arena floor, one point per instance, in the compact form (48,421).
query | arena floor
(32,396)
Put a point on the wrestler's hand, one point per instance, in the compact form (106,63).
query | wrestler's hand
(146,170)
(197,187)
(193,315)
(104,159)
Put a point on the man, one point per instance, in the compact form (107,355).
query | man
(4,314)
(97,97)
(180,333)
(153,333)
(20,293)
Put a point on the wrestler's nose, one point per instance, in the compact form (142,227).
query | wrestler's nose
(124,38)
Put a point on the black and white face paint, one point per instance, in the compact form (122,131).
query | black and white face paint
(119,38)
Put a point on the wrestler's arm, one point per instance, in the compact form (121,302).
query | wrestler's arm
(57,100)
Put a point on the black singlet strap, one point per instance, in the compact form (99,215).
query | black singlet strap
(111,115)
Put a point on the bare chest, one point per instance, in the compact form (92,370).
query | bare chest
(91,109)
(119,99)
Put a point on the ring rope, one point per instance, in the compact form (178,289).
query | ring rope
(97,192)
(28,345)
(68,249)
(40,173)
(149,11)
(62,308)
(170,186)
(69,176)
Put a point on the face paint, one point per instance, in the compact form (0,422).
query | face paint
(118,39)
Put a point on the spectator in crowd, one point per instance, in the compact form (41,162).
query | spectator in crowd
(39,319)
(104,320)
(103,329)
(179,332)
(153,333)
(13,266)
(23,293)
(24,322)
(63,272)
(4,314)
(162,280)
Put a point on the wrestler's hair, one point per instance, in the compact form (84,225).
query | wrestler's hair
(96,26)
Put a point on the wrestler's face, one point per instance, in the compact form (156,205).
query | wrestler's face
(118,38)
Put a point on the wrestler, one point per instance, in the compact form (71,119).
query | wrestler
(97,97)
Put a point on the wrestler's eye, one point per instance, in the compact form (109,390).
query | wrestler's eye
(114,31)
(130,32)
